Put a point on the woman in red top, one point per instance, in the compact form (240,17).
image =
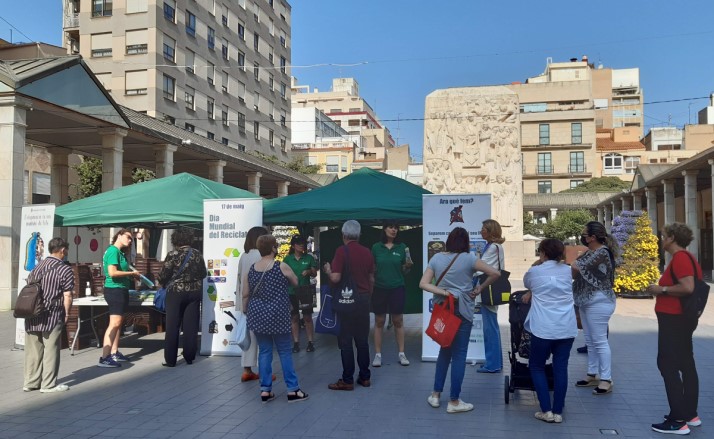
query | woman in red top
(675,352)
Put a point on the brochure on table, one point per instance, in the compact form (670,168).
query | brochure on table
(36,229)
(441,214)
(225,225)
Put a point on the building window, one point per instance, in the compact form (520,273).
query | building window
(256,12)
(135,82)
(332,164)
(210,72)
(256,71)
(283,144)
(189,98)
(271,82)
(134,49)
(224,141)
(190,61)
(256,41)
(283,64)
(241,30)
(240,94)
(136,41)
(105,79)
(271,138)
(576,133)
(283,42)
(577,162)
(190,24)
(283,117)
(211,38)
(41,188)
(210,135)
(283,90)
(343,164)
(631,164)
(545,187)
(101,45)
(256,101)
(190,128)
(271,27)
(224,117)
(224,82)
(241,60)
(169,88)
(544,134)
(170,10)
(101,8)
(256,130)
(612,164)
(241,147)
(545,165)
(241,123)
(224,50)
(169,48)
(576,183)
(210,107)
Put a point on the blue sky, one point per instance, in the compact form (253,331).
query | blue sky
(401,50)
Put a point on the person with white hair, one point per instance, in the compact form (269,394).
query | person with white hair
(356,261)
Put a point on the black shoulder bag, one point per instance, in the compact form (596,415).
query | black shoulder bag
(693,305)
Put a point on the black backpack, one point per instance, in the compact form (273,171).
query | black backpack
(694,304)
(30,302)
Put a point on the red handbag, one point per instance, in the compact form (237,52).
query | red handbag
(444,323)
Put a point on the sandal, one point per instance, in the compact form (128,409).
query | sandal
(589,381)
(310,347)
(298,395)
(266,398)
(603,390)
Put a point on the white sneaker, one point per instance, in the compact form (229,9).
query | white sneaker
(377,362)
(558,419)
(403,359)
(545,416)
(459,408)
(433,401)
(57,388)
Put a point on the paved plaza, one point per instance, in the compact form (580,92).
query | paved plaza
(208,400)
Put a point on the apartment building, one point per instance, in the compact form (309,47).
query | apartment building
(319,140)
(351,112)
(217,68)
(618,99)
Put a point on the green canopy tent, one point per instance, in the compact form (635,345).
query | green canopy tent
(163,203)
(366,195)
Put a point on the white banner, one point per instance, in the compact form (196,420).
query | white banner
(441,214)
(225,225)
(36,228)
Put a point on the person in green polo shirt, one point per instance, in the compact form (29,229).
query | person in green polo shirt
(305,267)
(392,261)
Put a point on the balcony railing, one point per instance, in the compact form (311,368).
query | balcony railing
(577,169)
(71,20)
(544,170)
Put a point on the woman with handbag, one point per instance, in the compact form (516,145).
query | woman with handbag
(594,277)
(551,323)
(494,256)
(301,297)
(265,298)
(675,356)
(389,296)
(182,275)
(454,270)
(250,256)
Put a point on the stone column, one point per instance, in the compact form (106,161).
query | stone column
(59,179)
(13,128)
(652,207)
(283,188)
(711,163)
(215,170)
(164,155)
(668,201)
(608,217)
(690,208)
(112,157)
(600,214)
(615,209)
(636,201)
(254,182)
(553,213)
(625,200)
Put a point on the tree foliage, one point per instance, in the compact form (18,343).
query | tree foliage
(89,173)
(567,224)
(640,258)
(530,226)
(296,163)
(601,184)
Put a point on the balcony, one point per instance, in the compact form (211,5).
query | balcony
(544,170)
(579,146)
(560,171)
(70,21)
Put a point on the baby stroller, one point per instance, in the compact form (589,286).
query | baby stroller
(520,377)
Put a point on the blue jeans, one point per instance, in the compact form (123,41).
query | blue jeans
(456,355)
(354,325)
(491,340)
(284,344)
(541,349)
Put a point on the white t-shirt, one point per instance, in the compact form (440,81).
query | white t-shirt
(552,313)
(244,264)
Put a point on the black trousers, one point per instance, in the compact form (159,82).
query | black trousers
(355,326)
(182,309)
(675,360)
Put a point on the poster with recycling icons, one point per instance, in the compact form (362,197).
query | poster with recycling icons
(225,225)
